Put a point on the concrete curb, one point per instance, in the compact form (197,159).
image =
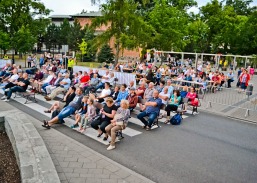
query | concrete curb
(226,115)
(31,153)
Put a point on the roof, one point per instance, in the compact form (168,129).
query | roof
(90,14)
(60,16)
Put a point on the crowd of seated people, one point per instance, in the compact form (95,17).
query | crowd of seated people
(157,88)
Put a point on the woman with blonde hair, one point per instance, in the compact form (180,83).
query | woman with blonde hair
(119,122)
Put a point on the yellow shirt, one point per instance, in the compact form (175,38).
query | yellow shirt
(71,63)
(220,62)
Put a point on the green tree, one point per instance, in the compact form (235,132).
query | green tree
(89,35)
(241,7)
(198,32)
(24,40)
(105,54)
(52,36)
(128,28)
(75,36)
(65,29)
(170,23)
(14,14)
(4,41)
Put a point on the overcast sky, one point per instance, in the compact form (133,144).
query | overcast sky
(61,7)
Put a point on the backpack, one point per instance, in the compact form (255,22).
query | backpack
(176,119)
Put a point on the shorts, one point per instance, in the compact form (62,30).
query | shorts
(61,105)
(243,86)
(65,112)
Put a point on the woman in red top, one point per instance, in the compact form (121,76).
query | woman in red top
(84,80)
(192,98)
(244,80)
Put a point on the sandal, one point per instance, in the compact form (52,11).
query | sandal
(45,122)
(47,111)
(46,126)
(148,128)
(99,135)
(105,138)
(166,122)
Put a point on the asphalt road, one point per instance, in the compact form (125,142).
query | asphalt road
(205,148)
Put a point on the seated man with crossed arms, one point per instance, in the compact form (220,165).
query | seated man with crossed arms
(151,109)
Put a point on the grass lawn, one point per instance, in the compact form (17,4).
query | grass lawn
(89,64)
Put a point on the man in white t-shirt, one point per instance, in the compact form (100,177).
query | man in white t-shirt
(199,68)
(105,93)
(164,95)
(104,79)
(10,79)
(45,82)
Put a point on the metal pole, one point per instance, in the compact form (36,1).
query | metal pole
(234,62)
(182,58)
(245,61)
(196,58)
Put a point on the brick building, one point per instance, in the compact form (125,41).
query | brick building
(86,19)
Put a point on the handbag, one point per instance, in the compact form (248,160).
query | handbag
(118,117)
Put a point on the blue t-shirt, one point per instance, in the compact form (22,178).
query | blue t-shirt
(183,94)
(67,80)
(156,109)
(41,61)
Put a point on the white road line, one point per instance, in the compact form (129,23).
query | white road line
(68,122)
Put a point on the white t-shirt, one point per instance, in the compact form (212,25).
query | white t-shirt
(105,92)
(167,95)
(210,76)
(105,80)
(48,79)
(199,68)
(111,81)
(14,77)
(162,70)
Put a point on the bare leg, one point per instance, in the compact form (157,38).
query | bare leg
(56,105)
(53,121)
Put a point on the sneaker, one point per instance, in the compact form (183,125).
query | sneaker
(195,113)
(110,148)
(6,90)
(74,126)
(3,98)
(6,100)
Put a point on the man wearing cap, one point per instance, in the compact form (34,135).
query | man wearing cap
(151,109)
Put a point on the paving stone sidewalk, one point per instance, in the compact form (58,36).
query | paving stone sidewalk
(233,104)
(77,163)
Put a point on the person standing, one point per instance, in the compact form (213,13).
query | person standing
(230,78)
(244,80)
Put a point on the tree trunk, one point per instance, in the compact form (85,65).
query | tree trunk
(20,55)
(117,54)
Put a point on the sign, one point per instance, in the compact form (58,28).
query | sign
(65,48)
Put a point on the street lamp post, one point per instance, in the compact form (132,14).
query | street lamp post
(11,37)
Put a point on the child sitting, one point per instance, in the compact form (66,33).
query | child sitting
(88,117)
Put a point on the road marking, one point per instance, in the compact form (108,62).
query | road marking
(89,132)
(68,121)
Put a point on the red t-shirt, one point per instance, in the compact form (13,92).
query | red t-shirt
(191,96)
(85,79)
(142,94)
